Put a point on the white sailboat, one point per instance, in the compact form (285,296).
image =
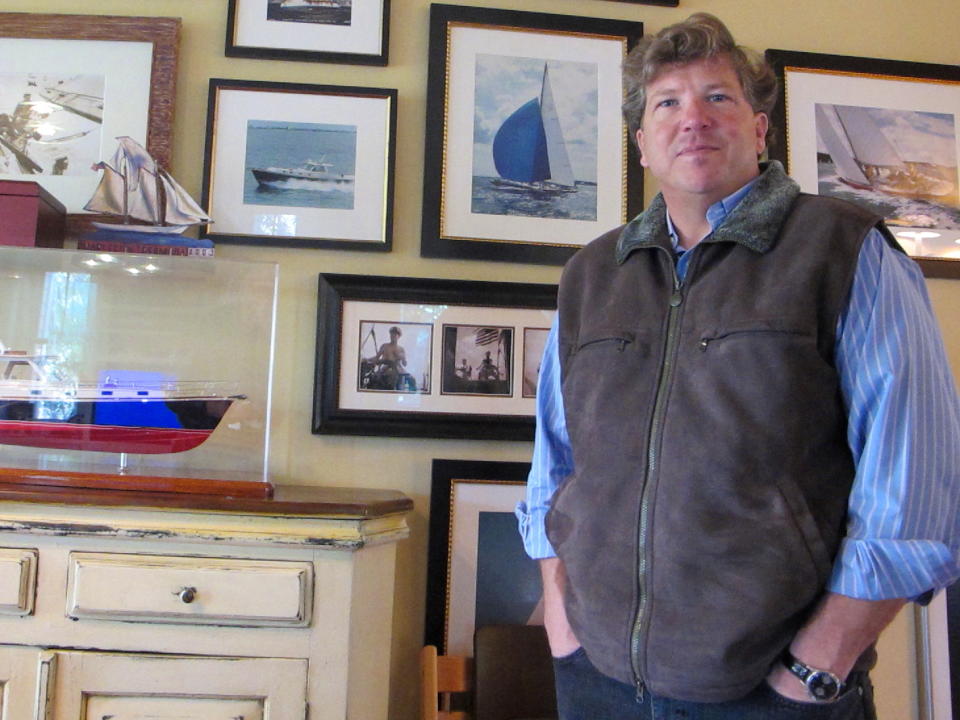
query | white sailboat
(135,188)
(866,158)
(529,150)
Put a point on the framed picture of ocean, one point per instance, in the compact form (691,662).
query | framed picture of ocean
(526,155)
(58,117)
(300,165)
(881,133)
(334,31)
(425,357)
(477,570)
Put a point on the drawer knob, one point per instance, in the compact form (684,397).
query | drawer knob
(186,594)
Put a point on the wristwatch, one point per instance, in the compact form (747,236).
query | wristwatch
(822,685)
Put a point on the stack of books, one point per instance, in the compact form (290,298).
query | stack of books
(121,241)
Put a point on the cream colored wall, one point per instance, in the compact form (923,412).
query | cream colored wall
(921,30)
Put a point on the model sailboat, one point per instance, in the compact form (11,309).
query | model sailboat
(865,157)
(529,150)
(135,188)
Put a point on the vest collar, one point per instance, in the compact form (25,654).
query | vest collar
(754,222)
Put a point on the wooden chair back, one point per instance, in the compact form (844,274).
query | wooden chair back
(441,677)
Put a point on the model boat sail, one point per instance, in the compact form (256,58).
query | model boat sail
(529,150)
(41,407)
(136,188)
(865,157)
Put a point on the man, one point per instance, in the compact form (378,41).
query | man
(390,361)
(747,435)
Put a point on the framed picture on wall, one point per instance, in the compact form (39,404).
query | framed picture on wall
(477,570)
(334,31)
(527,157)
(939,650)
(883,134)
(72,84)
(425,357)
(300,165)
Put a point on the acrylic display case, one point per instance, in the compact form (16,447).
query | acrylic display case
(130,367)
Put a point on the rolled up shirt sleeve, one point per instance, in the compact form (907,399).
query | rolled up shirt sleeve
(552,459)
(903,532)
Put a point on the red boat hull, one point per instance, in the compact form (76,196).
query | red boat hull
(100,438)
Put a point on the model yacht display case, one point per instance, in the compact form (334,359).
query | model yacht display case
(138,371)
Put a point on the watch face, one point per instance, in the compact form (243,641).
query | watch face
(823,685)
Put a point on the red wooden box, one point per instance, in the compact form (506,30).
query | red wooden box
(30,216)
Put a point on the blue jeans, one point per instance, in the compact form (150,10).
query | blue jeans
(583,693)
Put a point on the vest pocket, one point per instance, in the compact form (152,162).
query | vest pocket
(604,338)
(774,327)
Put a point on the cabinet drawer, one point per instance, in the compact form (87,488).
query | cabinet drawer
(18,576)
(181,589)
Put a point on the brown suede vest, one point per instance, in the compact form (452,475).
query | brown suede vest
(712,470)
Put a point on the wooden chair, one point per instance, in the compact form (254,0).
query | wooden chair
(442,676)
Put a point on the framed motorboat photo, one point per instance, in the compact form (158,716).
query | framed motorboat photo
(57,117)
(424,357)
(526,156)
(880,133)
(300,165)
(335,31)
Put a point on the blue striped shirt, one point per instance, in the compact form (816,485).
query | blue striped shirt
(903,531)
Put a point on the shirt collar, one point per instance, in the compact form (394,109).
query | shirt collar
(716,213)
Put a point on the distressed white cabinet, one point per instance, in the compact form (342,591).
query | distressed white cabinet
(127,605)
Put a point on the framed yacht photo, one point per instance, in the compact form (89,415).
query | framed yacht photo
(58,117)
(526,155)
(300,165)
(334,31)
(883,134)
(423,357)
(477,570)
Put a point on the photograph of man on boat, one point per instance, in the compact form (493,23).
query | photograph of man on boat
(488,354)
(899,163)
(535,138)
(298,164)
(50,124)
(324,12)
(395,357)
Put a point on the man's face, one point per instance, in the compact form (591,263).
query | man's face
(699,137)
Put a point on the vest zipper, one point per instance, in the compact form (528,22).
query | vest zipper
(653,442)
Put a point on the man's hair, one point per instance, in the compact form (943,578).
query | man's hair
(396,330)
(700,37)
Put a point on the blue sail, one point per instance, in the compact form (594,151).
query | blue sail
(520,146)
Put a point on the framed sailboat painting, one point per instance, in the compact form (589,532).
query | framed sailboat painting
(881,133)
(526,155)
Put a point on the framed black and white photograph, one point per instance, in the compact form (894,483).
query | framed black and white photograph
(527,157)
(477,570)
(334,31)
(300,165)
(423,357)
(57,117)
(395,357)
(883,134)
(477,360)
(534,341)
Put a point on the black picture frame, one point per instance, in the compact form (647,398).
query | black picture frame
(483,477)
(446,196)
(233,106)
(347,400)
(334,48)
(872,78)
